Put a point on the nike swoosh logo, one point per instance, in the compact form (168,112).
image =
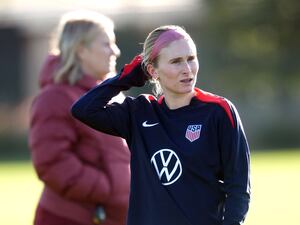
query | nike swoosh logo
(145,124)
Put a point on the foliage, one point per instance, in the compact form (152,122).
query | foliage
(255,44)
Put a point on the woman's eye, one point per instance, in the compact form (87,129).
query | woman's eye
(175,61)
(191,58)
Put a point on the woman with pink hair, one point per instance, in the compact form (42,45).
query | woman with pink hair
(189,154)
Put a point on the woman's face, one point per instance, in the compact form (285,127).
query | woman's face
(98,59)
(177,67)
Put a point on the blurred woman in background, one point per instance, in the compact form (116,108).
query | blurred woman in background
(85,173)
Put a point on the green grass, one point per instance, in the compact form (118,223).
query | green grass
(19,193)
(275,190)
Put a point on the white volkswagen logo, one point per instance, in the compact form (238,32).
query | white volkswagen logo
(167,166)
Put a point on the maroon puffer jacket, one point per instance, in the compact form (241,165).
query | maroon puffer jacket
(80,167)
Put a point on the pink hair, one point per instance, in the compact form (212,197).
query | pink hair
(163,40)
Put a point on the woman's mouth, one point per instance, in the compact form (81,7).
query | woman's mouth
(186,81)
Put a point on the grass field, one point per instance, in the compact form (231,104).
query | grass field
(275,190)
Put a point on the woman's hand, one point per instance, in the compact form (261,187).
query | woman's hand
(133,72)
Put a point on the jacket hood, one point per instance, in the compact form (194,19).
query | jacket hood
(48,70)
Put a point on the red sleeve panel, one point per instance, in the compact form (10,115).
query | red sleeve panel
(211,98)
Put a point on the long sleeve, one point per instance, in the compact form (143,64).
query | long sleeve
(53,142)
(93,108)
(236,168)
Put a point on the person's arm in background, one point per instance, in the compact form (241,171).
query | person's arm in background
(53,141)
(93,108)
(236,168)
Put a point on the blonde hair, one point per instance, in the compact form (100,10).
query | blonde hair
(148,48)
(76,28)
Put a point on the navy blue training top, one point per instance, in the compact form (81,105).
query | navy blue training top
(189,166)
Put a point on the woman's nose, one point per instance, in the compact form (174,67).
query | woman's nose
(186,67)
(115,50)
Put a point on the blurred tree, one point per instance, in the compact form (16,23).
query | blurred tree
(252,42)
(11,43)
(249,51)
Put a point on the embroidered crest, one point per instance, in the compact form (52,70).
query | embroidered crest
(193,132)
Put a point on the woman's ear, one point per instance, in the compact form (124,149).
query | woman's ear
(81,52)
(152,71)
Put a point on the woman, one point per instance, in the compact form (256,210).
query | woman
(189,154)
(85,173)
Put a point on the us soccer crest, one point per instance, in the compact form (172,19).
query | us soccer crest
(193,132)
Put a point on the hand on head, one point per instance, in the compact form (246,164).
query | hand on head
(134,72)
